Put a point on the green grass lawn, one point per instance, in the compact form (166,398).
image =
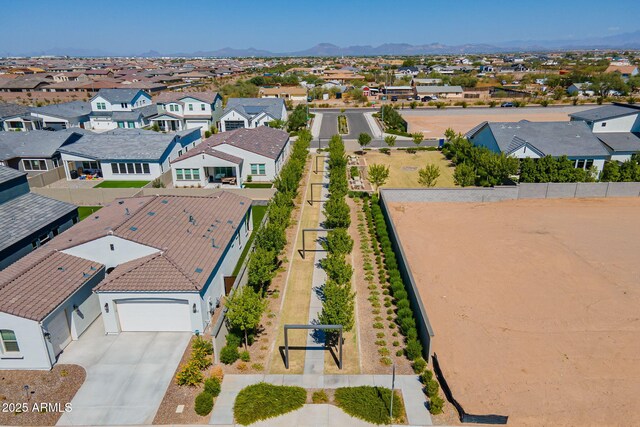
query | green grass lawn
(122,184)
(257,212)
(85,211)
(258,185)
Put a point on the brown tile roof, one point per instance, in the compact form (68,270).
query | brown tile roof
(622,69)
(263,140)
(38,288)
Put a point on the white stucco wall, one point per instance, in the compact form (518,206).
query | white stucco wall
(99,250)
(249,158)
(619,124)
(34,353)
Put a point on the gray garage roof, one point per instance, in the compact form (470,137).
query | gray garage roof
(605,112)
(573,139)
(125,144)
(251,107)
(620,141)
(7,174)
(438,89)
(36,143)
(26,214)
(67,110)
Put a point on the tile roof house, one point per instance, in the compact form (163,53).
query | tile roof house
(616,125)
(34,152)
(229,158)
(144,264)
(187,110)
(251,112)
(120,108)
(126,154)
(525,139)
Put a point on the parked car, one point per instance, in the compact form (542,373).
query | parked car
(507,104)
(394,98)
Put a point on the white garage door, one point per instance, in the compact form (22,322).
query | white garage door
(197,124)
(60,335)
(153,315)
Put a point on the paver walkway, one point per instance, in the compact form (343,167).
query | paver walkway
(319,415)
(314,355)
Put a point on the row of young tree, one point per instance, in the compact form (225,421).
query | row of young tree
(628,171)
(338,305)
(246,305)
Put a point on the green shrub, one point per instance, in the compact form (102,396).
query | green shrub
(378,325)
(419,365)
(435,405)
(426,377)
(414,349)
(262,401)
(233,339)
(190,374)
(244,356)
(319,396)
(201,344)
(369,403)
(203,404)
(212,386)
(229,354)
(432,388)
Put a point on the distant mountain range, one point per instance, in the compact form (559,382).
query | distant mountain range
(620,42)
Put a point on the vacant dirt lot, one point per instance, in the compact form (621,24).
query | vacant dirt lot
(534,304)
(433,123)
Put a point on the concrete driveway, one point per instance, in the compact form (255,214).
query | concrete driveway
(127,375)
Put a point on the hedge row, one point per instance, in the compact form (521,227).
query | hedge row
(405,318)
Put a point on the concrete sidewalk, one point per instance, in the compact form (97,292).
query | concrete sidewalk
(408,385)
(315,126)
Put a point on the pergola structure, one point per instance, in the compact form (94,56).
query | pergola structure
(318,157)
(304,249)
(311,200)
(322,327)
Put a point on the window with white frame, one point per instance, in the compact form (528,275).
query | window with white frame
(188,174)
(203,107)
(583,163)
(101,105)
(90,165)
(258,169)
(8,341)
(34,165)
(130,168)
(124,105)
(190,107)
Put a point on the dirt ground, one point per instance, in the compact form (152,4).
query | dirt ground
(534,305)
(403,167)
(433,126)
(57,386)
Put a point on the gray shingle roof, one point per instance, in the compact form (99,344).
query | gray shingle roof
(7,174)
(263,140)
(67,110)
(118,96)
(251,107)
(10,110)
(166,97)
(125,144)
(36,143)
(573,139)
(605,112)
(26,214)
(620,141)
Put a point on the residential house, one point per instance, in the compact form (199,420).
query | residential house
(625,71)
(15,117)
(426,82)
(617,126)
(120,108)
(129,264)
(251,112)
(63,116)
(125,154)
(34,152)
(26,83)
(231,157)
(525,139)
(452,92)
(580,89)
(400,92)
(293,93)
(27,220)
(187,110)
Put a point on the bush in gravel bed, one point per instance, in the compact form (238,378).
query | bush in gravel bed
(319,396)
(212,386)
(190,374)
(369,403)
(229,354)
(418,365)
(262,401)
(203,404)
(414,349)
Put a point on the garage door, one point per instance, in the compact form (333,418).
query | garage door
(60,335)
(153,315)
(197,124)
(233,124)
(56,125)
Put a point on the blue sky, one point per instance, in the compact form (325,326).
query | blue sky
(135,26)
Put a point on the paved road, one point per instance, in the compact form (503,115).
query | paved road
(355,121)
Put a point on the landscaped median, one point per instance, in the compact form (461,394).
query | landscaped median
(264,401)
